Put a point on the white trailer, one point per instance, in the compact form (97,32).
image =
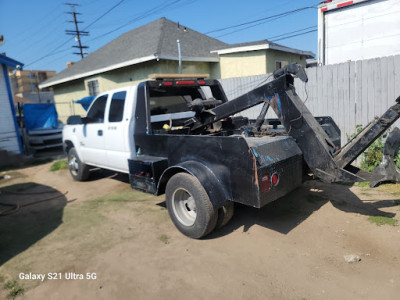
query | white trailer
(358,29)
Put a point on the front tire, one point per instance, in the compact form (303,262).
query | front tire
(79,171)
(189,206)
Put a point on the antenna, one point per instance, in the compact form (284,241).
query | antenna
(77,33)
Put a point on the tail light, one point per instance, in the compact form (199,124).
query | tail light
(274,179)
(265,183)
(184,82)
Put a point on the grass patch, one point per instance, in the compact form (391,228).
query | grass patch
(363,184)
(393,189)
(164,238)
(59,165)
(14,289)
(380,220)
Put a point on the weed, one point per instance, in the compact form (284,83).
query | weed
(15,289)
(372,157)
(380,220)
(164,238)
(2,279)
(59,165)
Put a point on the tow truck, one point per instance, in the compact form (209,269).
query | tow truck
(179,135)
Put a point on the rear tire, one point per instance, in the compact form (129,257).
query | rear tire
(79,171)
(189,206)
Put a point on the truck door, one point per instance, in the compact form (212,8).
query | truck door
(92,135)
(116,136)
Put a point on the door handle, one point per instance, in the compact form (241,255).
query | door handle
(100,132)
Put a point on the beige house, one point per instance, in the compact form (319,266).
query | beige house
(153,48)
(256,58)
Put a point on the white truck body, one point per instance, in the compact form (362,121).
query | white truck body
(357,30)
(108,144)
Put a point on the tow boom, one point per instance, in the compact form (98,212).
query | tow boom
(325,160)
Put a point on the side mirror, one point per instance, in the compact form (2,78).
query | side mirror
(74,120)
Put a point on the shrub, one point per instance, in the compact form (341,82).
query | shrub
(372,157)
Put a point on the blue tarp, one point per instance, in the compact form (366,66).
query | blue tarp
(85,102)
(40,115)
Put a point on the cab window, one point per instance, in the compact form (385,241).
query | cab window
(173,99)
(96,111)
(117,107)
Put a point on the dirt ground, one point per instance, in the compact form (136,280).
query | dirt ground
(293,248)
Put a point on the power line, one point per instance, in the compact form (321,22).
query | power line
(294,35)
(262,19)
(51,53)
(26,34)
(284,34)
(250,26)
(154,10)
(107,12)
(147,13)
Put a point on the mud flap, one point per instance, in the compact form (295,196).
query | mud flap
(387,170)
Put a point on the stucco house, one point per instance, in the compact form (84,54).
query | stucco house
(153,48)
(10,139)
(256,58)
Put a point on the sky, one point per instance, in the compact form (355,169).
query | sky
(34,31)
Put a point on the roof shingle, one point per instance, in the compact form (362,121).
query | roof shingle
(157,39)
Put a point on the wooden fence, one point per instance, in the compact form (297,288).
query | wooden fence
(351,93)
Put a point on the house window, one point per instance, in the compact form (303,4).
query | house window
(280,64)
(42,76)
(93,87)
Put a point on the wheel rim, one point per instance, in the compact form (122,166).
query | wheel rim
(184,207)
(73,165)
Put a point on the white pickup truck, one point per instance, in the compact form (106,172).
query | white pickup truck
(179,136)
(148,131)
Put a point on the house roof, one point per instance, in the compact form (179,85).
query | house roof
(10,62)
(156,40)
(260,45)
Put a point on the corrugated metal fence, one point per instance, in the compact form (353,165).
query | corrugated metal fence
(351,93)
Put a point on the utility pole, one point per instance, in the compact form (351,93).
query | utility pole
(77,33)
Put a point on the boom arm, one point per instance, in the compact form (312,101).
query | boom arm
(322,157)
